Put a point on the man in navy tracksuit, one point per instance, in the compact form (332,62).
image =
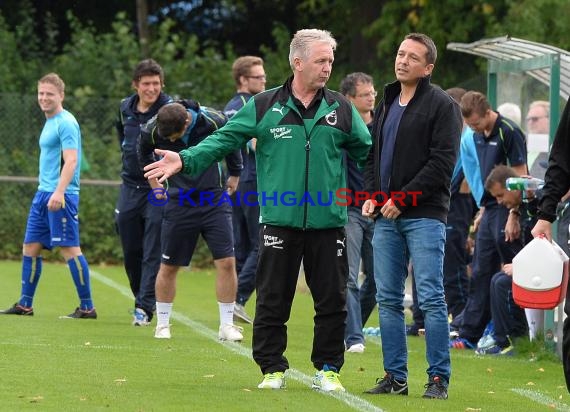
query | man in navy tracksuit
(497,141)
(509,319)
(138,224)
(196,205)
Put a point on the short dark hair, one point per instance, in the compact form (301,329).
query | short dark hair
(348,84)
(474,102)
(171,119)
(499,174)
(148,67)
(431,55)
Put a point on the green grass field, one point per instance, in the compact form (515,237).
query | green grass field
(52,364)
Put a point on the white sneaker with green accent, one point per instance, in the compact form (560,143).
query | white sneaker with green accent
(275,380)
(327,381)
(162,332)
(230,332)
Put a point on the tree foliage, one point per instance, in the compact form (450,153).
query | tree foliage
(542,21)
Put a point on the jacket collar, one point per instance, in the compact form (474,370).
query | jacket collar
(285,93)
(392,90)
(161,101)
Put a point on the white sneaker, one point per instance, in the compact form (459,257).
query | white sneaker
(356,348)
(275,380)
(230,332)
(162,332)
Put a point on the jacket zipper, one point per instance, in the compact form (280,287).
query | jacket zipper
(305,206)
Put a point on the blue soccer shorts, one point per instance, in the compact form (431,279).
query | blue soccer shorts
(53,228)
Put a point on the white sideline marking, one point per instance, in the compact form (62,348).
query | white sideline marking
(542,399)
(49,345)
(353,401)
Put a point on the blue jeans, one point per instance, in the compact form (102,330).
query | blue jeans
(359,232)
(395,242)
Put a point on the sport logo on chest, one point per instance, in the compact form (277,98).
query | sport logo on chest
(281,132)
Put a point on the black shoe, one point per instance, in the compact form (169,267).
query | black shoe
(435,388)
(81,314)
(18,309)
(389,385)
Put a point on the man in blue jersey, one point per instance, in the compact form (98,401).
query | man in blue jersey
(138,223)
(53,220)
(249,77)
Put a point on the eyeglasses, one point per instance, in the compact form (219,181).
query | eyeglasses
(535,118)
(369,94)
(260,77)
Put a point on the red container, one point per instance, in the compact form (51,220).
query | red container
(540,275)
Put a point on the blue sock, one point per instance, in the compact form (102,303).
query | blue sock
(328,368)
(31,271)
(80,274)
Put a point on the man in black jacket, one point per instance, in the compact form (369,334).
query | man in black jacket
(415,134)
(557,183)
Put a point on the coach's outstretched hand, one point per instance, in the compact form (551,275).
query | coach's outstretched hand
(169,165)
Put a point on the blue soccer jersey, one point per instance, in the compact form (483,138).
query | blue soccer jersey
(60,132)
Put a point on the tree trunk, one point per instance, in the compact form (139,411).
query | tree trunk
(142,25)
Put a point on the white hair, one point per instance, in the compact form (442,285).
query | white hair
(304,38)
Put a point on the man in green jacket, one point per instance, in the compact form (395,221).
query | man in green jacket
(301,129)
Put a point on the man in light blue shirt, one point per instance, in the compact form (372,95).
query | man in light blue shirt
(52,220)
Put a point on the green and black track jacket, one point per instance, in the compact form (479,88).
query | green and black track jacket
(299,161)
